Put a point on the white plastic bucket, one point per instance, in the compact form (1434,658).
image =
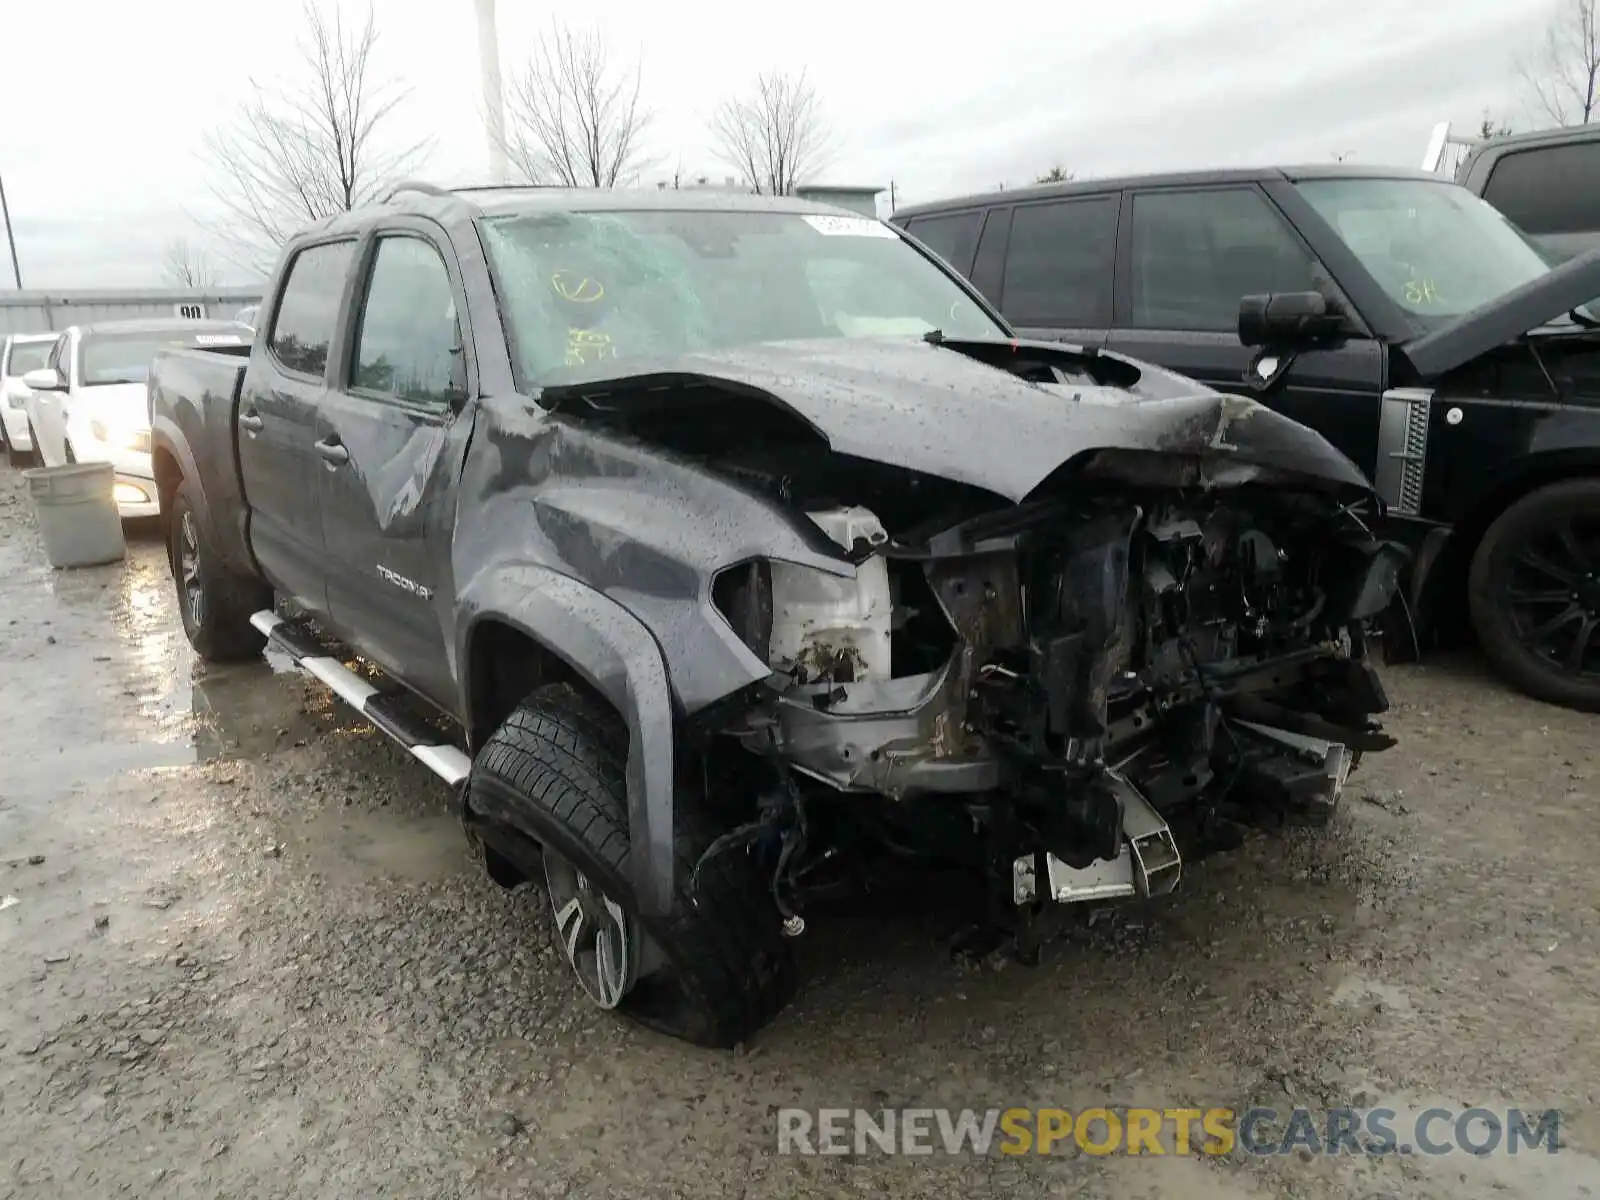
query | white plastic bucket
(76,509)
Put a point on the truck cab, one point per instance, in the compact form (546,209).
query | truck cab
(1395,312)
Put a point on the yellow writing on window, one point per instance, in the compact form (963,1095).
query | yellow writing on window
(1421,291)
(588,346)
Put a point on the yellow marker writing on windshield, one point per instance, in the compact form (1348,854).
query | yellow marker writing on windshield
(575,288)
(1421,291)
(587,346)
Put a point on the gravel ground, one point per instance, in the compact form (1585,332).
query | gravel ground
(249,957)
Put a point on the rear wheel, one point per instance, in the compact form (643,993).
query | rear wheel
(712,970)
(1534,593)
(215,602)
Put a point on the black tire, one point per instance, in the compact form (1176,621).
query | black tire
(725,969)
(35,455)
(215,602)
(1534,593)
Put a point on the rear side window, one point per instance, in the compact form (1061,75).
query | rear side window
(1195,255)
(302,328)
(1553,189)
(1059,263)
(952,238)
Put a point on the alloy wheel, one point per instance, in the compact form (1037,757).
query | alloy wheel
(1551,592)
(189,568)
(599,939)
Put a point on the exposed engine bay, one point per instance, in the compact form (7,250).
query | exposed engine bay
(1048,691)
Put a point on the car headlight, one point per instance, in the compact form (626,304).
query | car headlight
(125,439)
(16,400)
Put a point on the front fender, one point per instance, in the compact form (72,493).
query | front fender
(612,651)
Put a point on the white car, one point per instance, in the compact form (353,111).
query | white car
(88,403)
(19,354)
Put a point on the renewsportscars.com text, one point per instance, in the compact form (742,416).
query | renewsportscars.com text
(1160,1131)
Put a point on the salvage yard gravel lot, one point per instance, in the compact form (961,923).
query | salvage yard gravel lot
(249,955)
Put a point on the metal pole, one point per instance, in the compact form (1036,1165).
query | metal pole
(494,106)
(11,238)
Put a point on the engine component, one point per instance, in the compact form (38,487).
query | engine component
(831,630)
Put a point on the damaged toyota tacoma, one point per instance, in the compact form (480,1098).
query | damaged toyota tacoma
(726,552)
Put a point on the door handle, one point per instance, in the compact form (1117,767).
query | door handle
(333,453)
(251,422)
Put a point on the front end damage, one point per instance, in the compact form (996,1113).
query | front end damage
(1067,694)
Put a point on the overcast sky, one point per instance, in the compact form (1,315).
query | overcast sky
(105,103)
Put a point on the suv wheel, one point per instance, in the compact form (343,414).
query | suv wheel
(1534,593)
(215,602)
(714,969)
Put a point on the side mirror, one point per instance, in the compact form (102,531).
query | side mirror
(43,380)
(1288,320)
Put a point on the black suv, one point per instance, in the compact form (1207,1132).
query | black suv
(1395,312)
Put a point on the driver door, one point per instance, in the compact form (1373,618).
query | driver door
(1185,260)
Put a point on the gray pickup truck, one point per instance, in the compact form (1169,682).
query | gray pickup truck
(726,553)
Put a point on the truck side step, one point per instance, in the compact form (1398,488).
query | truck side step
(384,710)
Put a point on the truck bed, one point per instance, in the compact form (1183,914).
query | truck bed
(194,394)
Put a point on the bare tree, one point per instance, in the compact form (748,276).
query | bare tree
(775,136)
(1492,128)
(187,265)
(316,145)
(1056,174)
(574,114)
(1565,77)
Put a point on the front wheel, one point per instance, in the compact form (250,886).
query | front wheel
(215,602)
(1534,593)
(713,969)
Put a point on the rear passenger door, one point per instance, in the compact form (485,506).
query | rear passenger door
(1188,256)
(1056,277)
(278,402)
(390,441)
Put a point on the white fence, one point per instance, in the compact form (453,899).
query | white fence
(43,311)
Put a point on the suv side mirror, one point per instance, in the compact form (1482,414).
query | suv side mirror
(44,379)
(1288,320)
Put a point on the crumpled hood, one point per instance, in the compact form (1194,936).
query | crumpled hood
(936,410)
(1506,317)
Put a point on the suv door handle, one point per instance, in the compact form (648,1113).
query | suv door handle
(332,452)
(250,421)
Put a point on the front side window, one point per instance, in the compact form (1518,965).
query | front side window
(302,328)
(1059,264)
(1195,255)
(953,238)
(408,342)
(1436,249)
(580,291)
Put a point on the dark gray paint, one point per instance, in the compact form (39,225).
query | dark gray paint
(603,549)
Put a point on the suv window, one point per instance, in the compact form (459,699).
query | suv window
(1552,189)
(1196,254)
(302,328)
(952,238)
(1059,263)
(408,343)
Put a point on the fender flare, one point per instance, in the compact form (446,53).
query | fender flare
(611,650)
(166,435)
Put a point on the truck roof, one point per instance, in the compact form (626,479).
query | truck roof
(1089,187)
(451,205)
